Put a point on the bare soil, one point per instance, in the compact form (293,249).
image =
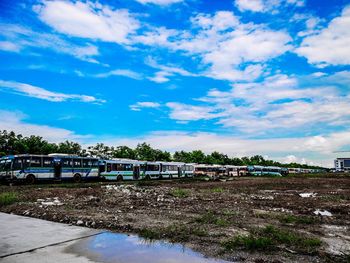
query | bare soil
(206,215)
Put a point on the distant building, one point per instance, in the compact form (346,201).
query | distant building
(342,164)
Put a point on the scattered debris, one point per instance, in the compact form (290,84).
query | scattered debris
(49,202)
(322,213)
(307,195)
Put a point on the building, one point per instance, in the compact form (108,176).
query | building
(342,164)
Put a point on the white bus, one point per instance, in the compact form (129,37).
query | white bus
(30,168)
(187,170)
(170,170)
(120,169)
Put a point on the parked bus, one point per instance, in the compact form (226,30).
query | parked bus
(187,170)
(232,170)
(150,170)
(257,170)
(170,170)
(213,171)
(30,168)
(120,169)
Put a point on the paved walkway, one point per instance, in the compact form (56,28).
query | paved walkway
(25,239)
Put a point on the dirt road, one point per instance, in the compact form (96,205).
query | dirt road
(293,219)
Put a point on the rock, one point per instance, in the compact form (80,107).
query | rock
(80,222)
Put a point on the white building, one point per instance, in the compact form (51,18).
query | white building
(342,164)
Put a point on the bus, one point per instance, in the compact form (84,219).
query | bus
(170,170)
(31,167)
(213,171)
(257,170)
(187,170)
(120,169)
(150,170)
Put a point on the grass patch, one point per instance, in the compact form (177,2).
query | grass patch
(211,218)
(291,219)
(181,193)
(217,190)
(270,238)
(175,233)
(8,198)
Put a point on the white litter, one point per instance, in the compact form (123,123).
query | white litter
(306,195)
(322,213)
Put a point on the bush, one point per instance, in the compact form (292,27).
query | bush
(8,198)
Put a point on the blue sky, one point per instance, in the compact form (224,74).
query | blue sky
(243,77)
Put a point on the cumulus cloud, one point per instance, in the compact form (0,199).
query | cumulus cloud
(88,20)
(120,72)
(17,122)
(40,93)
(144,104)
(265,5)
(19,38)
(329,46)
(276,104)
(160,2)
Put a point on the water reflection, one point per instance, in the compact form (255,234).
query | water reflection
(121,248)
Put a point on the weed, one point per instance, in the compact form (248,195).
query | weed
(211,218)
(181,193)
(270,237)
(217,190)
(8,198)
(291,219)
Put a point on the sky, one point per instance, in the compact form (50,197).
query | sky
(243,77)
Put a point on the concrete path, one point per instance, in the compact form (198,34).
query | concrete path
(25,239)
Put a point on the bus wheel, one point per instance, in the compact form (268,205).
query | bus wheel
(148,177)
(119,178)
(77,178)
(30,179)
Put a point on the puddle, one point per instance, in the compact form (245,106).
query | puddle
(121,248)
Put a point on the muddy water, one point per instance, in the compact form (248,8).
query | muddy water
(121,248)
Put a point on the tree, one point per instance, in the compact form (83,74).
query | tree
(124,152)
(69,148)
(101,151)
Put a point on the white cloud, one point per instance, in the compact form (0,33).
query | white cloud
(16,121)
(88,20)
(19,38)
(227,47)
(40,93)
(277,104)
(266,5)
(251,5)
(144,104)
(166,71)
(330,46)
(160,2)
(120,72)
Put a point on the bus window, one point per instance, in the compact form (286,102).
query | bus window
(47,162)
(35,162)
(77,162)
(128,167)
(17,164)
(87,163)
(109,167)
(66,162)
(152,167)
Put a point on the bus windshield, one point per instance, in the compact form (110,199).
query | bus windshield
(5,165)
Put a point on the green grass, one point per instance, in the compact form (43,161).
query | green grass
(181,193)
(217,190)
(292,219)
(8,198)
(270,238)
(175,233)
(211,218)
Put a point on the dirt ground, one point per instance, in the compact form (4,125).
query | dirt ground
(291,219)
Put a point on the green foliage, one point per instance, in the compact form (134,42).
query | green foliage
(181,193)
(291,219)
(217,190)
(8,198)
(270,238)
(211,218)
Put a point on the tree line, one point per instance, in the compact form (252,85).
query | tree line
(12,143)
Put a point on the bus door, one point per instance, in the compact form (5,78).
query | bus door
(179,171)
(57,168)
(136,170)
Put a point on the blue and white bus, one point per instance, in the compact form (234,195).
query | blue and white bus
(31,168)
(257,170)
(120,169)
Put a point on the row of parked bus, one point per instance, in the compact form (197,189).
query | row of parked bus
(32,168)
